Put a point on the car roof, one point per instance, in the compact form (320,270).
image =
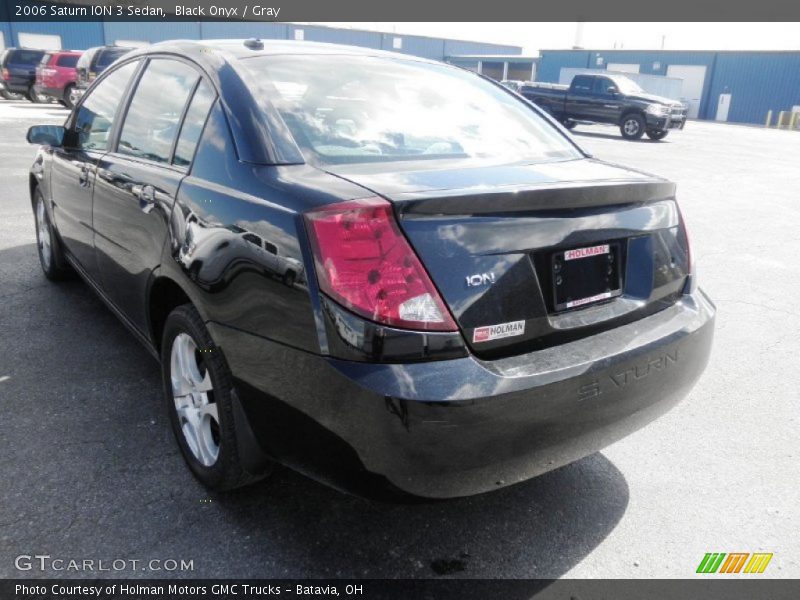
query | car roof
(253,47)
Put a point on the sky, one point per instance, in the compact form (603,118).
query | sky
(634,36)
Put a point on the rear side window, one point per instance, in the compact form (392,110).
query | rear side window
(96,113)
(151,124)
(193,124)
(67,60)
(582,84)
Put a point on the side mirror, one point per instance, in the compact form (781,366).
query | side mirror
(612,90)
(47,135)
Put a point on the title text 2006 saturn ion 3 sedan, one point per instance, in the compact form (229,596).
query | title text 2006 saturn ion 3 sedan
(385,272)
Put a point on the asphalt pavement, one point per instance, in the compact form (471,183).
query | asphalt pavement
(90,470)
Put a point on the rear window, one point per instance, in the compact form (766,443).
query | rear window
(67,60)
(369,109)
(25,57)
(107,57)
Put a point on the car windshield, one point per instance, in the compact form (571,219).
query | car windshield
(627,86)
(347,109)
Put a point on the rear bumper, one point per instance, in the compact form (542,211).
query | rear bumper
(459,427)
(52,92)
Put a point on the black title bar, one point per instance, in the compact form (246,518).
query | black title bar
(407,10)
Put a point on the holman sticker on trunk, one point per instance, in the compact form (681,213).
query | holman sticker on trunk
(496,332)
(584,252)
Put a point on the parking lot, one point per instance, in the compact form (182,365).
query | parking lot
(90,469)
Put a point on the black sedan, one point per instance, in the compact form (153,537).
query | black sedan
(385,272)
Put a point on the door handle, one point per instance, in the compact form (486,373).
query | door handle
(146,195)
(83,178)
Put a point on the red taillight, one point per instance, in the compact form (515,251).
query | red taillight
(365,263)
(6,75)
(692,282)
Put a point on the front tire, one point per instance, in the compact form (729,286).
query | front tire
(198,389)
(569,124)
(632,126)
(51,256)
(657,135)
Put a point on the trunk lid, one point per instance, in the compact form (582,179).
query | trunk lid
(490,237)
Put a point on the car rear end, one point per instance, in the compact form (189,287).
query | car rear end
(56,73)
(19,69)
(493,305)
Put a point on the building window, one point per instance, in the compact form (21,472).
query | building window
(299,35)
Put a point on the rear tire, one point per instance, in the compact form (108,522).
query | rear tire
(51,255)
(632,126)
(198,389)
(36,97)
(569,124)
(657,135)
(67,98)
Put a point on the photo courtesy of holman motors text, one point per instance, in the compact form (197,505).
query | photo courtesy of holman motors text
(441,301)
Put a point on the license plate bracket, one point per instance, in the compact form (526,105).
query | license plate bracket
(587,275)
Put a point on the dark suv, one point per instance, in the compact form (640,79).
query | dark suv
(93,62)
(18,74)
(390,273)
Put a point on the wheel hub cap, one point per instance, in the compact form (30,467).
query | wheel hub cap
(193,394)
(631,126)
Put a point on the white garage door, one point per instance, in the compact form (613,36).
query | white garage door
(623,67)
(694,76)
(40,41)
(2,41)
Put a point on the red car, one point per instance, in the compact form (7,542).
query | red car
(56,75)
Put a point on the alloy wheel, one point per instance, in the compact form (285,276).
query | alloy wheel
(631,126)
(193,394)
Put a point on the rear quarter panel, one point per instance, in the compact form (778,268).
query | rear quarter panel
(227,213)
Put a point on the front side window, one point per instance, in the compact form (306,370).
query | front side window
(601,85)
(369,109)
(95,116)
(151,124)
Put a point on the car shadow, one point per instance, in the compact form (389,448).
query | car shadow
(77,381)
(537,529)
(617,137)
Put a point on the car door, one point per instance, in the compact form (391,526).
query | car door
(74,165)
(138,180)
(578,102)
(606,106)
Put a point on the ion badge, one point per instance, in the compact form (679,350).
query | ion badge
(496,332)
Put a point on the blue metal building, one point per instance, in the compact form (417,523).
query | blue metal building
(78,36)
(735,86)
